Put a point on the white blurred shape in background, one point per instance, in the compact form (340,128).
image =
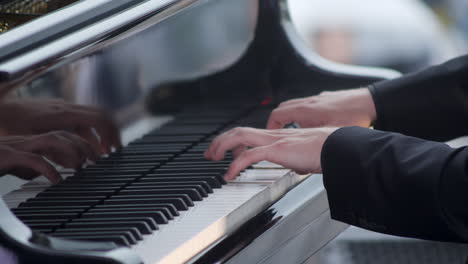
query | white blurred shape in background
(401,34)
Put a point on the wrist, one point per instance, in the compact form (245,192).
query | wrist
(367,104)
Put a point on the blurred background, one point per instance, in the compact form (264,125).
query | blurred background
(405,35)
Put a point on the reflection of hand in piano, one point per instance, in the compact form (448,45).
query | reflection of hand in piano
(341,108)
(23,155)
(297,149)
(25,117)
(42,125)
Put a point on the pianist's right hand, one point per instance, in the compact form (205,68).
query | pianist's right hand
(24,156)
(296,149)
(37,116)
(334,109)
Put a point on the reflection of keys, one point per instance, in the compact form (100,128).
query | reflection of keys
(262,172)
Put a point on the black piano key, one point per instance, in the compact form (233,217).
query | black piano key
(97,180)
(198,149)
(125,166)
(178,203)
(160,196)
(199,157)
(165,139)
(43,230)
(159,145)
(121,240)
(28,216)
(170,207)
(72,235)
(108,176)
(49,224)
(85,185)
(122,166)
(165,211)
(53,222)
(83,193)
(144,224)
(156,147)
(111,171)
(153,149)
(133,159)
(134,231)
(77,188)
(203,144)
(104,176)
(147,220)
(159,148)
(193,193)
(198,163)
(148,151)
(219,173)
(157,216)
(212,180)
(52,208)
(33,210)
(185,130)
(33,203)
(194,166)
(203,187)
(60,199)
(118,156)
(223,165)
(153,188)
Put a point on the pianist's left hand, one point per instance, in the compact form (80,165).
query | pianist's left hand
(24,156)
(37,116)
(296,149)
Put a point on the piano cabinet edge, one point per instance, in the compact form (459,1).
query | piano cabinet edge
(19,244)
(302,214)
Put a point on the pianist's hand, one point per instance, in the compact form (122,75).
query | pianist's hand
(26,117)
(23,156)
(296,149)
(342,108)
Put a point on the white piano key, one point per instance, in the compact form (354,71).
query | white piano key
(261,175)
(266,165)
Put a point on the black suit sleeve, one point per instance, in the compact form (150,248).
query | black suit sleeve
(431,104)
(396,184)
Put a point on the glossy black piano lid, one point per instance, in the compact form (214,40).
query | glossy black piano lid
(217,51)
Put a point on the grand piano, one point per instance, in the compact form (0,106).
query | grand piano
(174,73)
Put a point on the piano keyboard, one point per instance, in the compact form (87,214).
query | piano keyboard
(158,195)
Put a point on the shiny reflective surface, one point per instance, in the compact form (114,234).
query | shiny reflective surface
(169,46)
